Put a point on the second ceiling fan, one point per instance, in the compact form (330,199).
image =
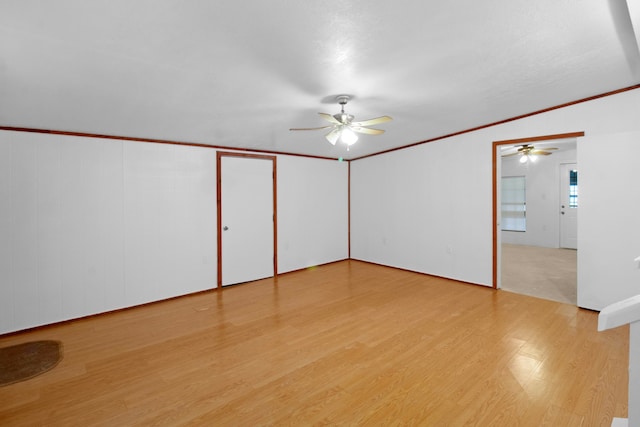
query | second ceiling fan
(528,152)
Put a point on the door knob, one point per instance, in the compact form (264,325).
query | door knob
(225,228)
(562,212)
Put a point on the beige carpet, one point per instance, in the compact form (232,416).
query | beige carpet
(540,272)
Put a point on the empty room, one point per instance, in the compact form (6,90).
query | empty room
(317,213)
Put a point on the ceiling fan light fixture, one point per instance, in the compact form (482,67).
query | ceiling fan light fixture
(348,136)
(343,128)
(528,158)
(528,152)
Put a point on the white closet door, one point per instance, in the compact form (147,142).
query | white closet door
(247,215)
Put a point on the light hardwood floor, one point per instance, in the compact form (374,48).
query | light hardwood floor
(348,343)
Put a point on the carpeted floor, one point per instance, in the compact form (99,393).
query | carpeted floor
(540,272)
(27,360)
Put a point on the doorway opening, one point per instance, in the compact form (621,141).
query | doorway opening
(528,255)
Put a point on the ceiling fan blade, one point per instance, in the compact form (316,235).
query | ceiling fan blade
(333,136)
(368,131)
(531,147)
(322,127)
(375,121)
(330,118)
(511,154)
(539,152)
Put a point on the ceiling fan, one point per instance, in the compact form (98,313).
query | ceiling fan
(529,152)
(342,126)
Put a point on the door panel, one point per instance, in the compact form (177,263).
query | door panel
(247,219)
(569,205)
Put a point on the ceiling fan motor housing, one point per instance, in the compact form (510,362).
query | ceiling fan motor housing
(344,128)
(343,118)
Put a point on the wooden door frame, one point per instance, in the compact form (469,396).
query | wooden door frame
(494,185)
(219,156)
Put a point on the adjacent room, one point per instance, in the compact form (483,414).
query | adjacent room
(317,213)
(539,211)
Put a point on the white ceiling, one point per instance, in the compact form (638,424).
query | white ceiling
(240,73)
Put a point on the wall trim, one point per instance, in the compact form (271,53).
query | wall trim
(273,159)
(160,141)
(568,104)
(494,187)
(213,291)
(424,274)
(349,210)
(221,147)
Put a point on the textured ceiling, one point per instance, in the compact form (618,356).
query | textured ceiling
(241,73)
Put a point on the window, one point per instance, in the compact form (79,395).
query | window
(514,203)
(573,189)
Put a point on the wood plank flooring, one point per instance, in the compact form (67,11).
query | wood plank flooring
(347,344)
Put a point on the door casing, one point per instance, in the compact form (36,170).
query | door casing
(219,156)
(494,177)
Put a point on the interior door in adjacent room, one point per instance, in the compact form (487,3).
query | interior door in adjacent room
(247,213)
(569,205)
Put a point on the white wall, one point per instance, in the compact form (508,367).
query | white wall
(91,225)
(428,208)
(608,231)
(543,198)
(313,220)
(169,226)
(421,209)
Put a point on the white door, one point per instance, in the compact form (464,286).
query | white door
(569,205)
(247,219)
